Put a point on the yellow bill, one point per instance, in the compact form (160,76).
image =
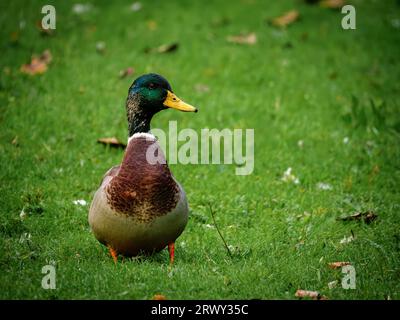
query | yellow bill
(172,101)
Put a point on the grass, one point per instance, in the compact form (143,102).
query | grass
(313,82)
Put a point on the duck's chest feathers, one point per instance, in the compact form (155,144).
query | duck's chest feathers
(142,190)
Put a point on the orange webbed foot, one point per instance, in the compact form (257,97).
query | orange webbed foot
(171,249)
(114,254)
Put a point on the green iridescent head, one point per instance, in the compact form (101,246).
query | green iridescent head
(149,94)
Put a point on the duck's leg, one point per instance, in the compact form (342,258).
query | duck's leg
(171,249)
(114,254)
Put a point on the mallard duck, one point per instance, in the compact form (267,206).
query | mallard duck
(139,206)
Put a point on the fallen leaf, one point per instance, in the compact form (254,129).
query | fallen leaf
(367,217)
(336,265)
(315,295)
(167,48)
(38,65)
(285,19)
(127,72)
(332,4)
(113,142)
(159,297)
(46,56)
(249,39)
(35,67)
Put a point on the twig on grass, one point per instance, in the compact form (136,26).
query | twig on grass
(215,224)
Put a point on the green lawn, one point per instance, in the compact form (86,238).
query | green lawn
(312,82)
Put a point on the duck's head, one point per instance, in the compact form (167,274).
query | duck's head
(149,94)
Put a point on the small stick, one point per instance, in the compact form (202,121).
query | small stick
(212,215)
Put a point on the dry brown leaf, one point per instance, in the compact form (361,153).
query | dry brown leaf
(165,48)
(249,39)
(38,64)
(286,19)
(35,67)
(159,297)
(127,72)
(336,265)
(113,142)
(367,217)
(46,56)
(315,295)
(332,4)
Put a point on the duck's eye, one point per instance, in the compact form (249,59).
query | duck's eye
(152,86)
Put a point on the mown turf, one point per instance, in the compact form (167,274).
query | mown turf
(313,82)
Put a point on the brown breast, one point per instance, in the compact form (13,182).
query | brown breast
(142,190)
